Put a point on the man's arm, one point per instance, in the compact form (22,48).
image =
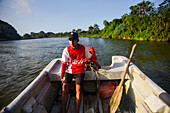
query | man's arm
(64,62)
(93,59)
(63,68)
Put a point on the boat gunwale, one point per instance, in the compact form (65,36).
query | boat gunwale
(25,92)
(157,90)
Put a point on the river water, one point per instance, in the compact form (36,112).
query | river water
(22,60)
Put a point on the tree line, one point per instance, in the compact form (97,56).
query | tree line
(144,22)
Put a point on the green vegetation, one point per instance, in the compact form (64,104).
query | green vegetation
(7,32)
(42,34)
(143,23)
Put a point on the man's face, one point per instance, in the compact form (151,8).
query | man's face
(73,43)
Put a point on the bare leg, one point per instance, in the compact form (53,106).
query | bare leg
(65,89)
(78,97)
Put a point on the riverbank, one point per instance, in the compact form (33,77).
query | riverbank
(128,38)
(94,36)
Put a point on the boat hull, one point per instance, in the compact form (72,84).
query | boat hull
(141,94)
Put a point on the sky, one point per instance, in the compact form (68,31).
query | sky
(62,15)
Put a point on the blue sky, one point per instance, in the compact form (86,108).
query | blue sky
(62,15)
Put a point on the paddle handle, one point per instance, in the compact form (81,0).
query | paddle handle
(130,57)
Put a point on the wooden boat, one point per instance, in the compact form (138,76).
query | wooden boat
(43,95)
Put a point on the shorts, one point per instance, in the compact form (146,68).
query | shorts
(79,77)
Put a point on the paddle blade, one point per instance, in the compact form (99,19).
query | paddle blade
(115,99)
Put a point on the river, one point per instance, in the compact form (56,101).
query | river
(22,60)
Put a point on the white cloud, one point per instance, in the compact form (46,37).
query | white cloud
(22,6)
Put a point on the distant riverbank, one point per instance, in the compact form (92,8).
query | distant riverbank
(128,38)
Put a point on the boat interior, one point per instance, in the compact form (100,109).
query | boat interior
(43,95)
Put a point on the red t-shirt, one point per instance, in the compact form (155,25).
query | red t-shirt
(73,61)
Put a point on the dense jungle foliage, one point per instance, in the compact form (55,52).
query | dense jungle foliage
(143,23)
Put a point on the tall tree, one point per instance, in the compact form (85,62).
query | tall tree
(96,29)
(90,30)
(106,23)
(78,30)
(41,34)
(73,30)
(26,36)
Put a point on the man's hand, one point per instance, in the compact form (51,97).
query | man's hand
(61,81)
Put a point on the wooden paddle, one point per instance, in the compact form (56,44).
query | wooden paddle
(117,95)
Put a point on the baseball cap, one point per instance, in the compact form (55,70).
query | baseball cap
(73,35)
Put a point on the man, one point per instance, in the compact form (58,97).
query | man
(73,66)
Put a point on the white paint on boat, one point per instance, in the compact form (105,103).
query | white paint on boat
(40,95)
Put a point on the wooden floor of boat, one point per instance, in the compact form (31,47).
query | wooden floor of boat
(89,101)
(88,105)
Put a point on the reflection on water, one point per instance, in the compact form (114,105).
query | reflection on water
(22,60)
